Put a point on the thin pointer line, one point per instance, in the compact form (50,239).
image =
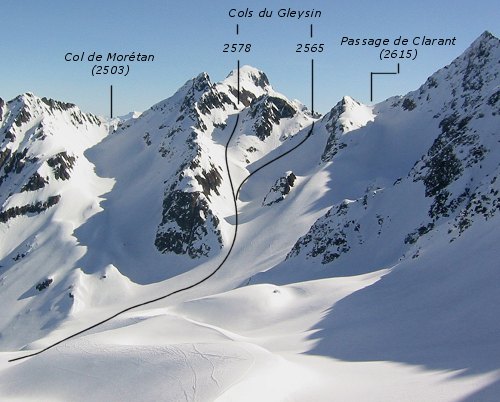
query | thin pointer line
(111,99)
(235,197)
(371,87)
(312,86)
(237,29)
(311,33)
(238,69)
(379,73)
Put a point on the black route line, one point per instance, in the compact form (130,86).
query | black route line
(235,199)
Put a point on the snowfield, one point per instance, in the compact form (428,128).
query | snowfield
(371,276)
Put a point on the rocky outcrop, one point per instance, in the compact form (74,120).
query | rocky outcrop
(267,111)
(187,221)
(61,165)
(29,209)
(280,189)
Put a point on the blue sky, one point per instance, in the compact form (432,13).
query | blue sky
(187,37)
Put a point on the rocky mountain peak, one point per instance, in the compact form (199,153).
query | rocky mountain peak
(463,84)
(253,84)
(202,82)
(258,77)
(249,74)
(348,103)
(347,115)
(25,98)
(485,39)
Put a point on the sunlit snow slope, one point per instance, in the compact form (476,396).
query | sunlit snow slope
(365,266)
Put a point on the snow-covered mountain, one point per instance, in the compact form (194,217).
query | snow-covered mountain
(363,264)
(433,151)
(47,189)
(162,172)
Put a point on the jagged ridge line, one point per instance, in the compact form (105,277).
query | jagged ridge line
(235,199)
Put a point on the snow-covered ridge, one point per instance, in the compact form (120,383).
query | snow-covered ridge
(368,256)
(444,169)
(61,166)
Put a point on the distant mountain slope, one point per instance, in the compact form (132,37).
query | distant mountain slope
(47,188)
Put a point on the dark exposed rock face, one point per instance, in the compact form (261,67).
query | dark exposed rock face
(260,79)
(210,181)
(213,100)
(408,104)
(456,149)
(35,182)
(53,104)
(494,98)
(44,284)
(61,164)
(13,162)
(280,189)
(246,97)
(34,209)
(9,135)
(77,117)
(335,130)
(328,237)
(459,147)
(4,157)
(201,98)
(443,165)
(473,78)
(422,230)
(23,116)
(484,202)
(268,111)
(186,223)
